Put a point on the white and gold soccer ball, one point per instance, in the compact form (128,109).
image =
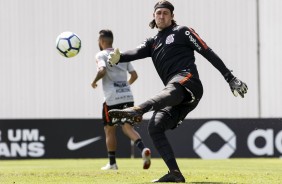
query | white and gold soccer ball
(68,44)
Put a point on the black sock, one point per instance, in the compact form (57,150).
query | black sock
(139,144)
(112,157)
(163,146)
(172,165)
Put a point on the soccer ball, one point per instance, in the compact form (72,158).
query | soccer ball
(68,44)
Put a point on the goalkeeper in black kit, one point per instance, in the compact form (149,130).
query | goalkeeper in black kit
(172,52)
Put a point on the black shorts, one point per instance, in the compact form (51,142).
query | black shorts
(107,120)
(171,116)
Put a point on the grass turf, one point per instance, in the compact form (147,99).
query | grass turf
(196,171)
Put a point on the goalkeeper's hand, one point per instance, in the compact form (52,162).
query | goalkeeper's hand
(114,57)
(238,87)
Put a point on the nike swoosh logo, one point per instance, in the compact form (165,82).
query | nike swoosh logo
(77,145)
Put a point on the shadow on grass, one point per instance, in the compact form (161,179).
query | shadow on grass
(200,183)
(209,183)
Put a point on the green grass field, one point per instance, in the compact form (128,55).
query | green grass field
(196,171)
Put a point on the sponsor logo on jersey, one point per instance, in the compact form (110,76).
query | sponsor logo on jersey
(120,84)
(193,40)
(175,28)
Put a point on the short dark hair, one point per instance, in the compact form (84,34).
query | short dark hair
(162,4)
(106,34)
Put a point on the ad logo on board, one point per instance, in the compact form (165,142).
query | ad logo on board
(223,131)
(21,143)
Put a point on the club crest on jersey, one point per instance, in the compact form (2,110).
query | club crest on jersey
(169,39)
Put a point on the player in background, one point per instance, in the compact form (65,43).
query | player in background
(118,95)
(172,52)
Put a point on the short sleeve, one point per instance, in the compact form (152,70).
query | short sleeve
(100,60)
(130,68)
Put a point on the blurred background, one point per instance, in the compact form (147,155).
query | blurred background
(47,100)
(37,82)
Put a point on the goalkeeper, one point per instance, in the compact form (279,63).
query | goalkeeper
(172,51)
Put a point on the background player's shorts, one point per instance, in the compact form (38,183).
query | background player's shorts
(107,120)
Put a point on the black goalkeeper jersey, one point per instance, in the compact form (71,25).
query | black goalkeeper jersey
(172,51)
